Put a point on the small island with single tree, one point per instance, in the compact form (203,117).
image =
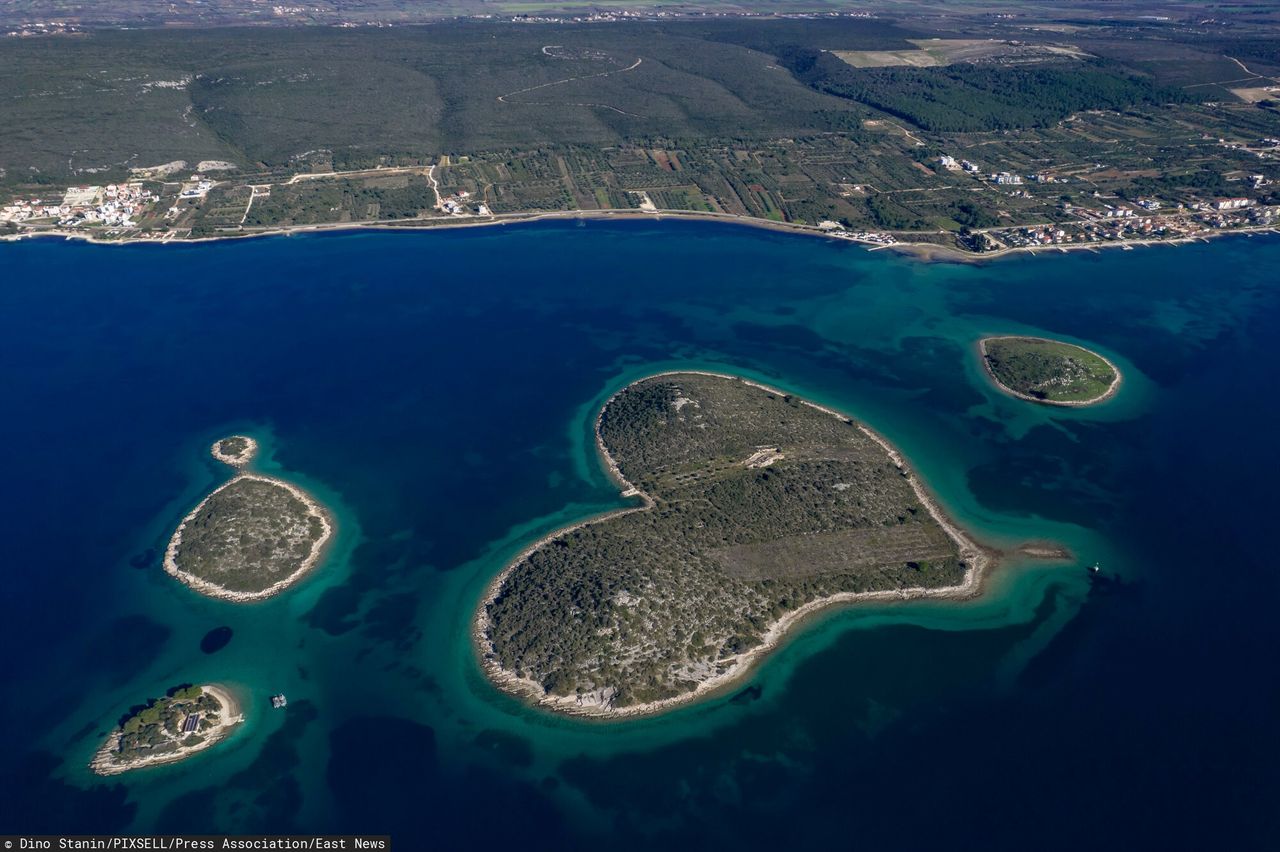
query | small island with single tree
(757,509)
(1048,371)
(187,720)
(252,537)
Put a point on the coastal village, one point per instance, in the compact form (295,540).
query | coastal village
(112,207)
(166,210)
(952,199)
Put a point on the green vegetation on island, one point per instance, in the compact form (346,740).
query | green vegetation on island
(237,450)
(756,505)
(233,446)
(251,537)
(1048,371)
(188,719)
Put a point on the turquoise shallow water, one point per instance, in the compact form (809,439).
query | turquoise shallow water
(436,391)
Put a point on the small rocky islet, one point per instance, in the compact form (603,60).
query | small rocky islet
(1047,371)
(251,537)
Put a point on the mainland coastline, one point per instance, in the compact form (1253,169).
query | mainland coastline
(927,252)
(981,560)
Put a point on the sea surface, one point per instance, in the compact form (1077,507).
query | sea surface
(436,391)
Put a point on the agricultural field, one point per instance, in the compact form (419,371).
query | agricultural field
(748,118)
(931,53)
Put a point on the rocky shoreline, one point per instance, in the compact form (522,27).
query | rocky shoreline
(237,460)
(213,589)
(1111,390)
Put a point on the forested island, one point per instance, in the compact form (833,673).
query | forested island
(1048,371)
(757,509)
(187,720)
(250,538)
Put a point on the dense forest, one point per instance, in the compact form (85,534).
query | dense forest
(966,98)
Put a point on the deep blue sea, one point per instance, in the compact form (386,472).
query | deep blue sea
(435,390)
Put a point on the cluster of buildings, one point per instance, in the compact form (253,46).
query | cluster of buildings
(663,14)
(22,209)
(1044,235)
(1090,232)
(113,205)
(1150,205)
(1010,179)
(953,165)
(873,237)
(1000,178)
(837,230)
(1264,149)
(197,187)
(1135,228)
(458,205)
(1253,217)
(1119,224)
(1226,204)
(40,28)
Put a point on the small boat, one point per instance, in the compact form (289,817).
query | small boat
(1095,568)
(279,701)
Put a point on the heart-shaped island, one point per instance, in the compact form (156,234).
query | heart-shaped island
(758,508)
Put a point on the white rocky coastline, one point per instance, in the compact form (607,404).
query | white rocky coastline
(1111,390)
(206,587)
(239,461)
(236,460)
